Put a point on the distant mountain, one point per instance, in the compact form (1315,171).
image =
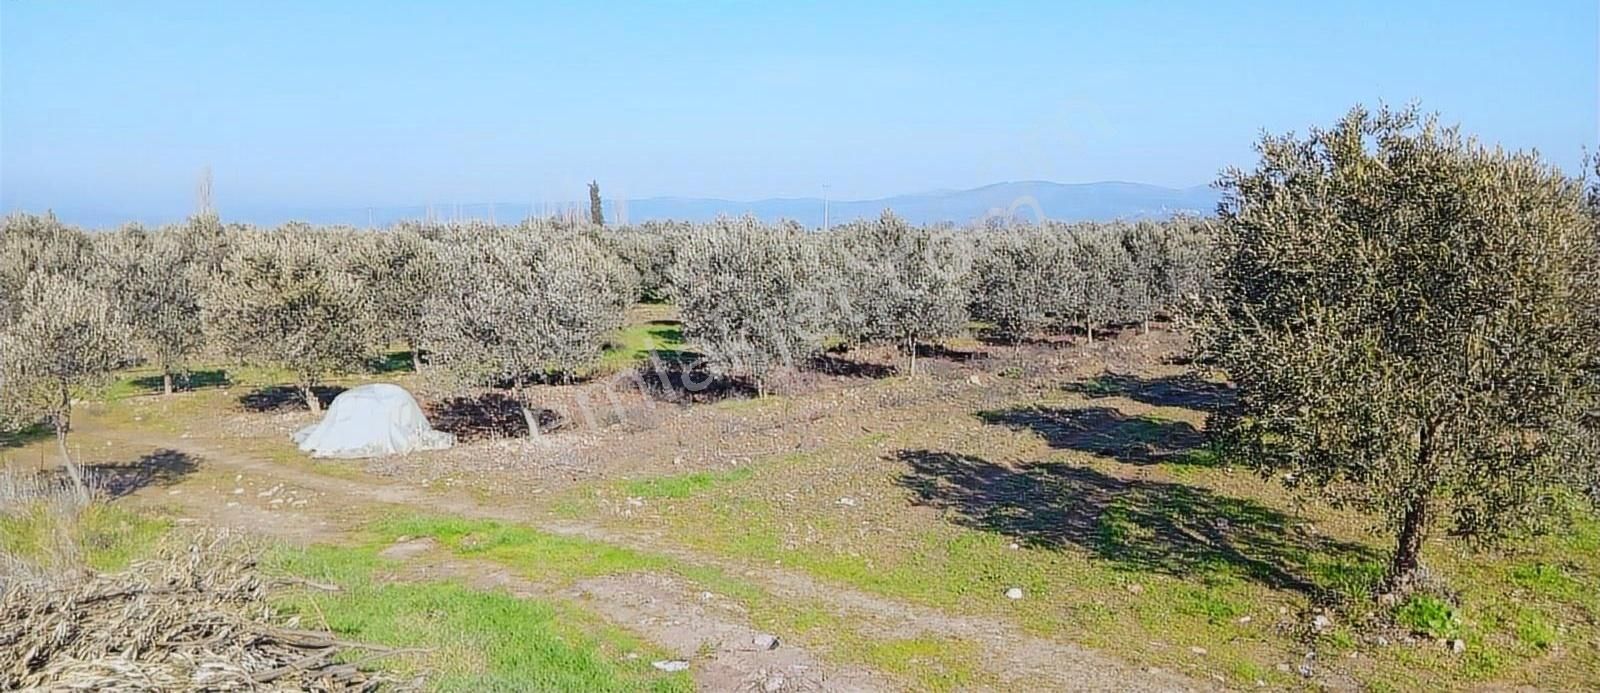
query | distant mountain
(1023,200)
(1027,200)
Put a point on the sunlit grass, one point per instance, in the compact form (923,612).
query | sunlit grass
(471,640)
(106,536)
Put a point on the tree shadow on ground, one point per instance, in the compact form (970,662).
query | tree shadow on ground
(277,398)
(25,436)
(1106,432)
(392,362)
(1186,390)
(684,377)
(833,364)
(1054,339)
(1147,526)
(194,380)
(670,331)
(159,468)
(489,416)
(940,351)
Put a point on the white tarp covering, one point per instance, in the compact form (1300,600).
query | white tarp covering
(372,421)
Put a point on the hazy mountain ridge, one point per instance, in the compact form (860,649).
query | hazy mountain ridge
(1026,199)
(1101,201)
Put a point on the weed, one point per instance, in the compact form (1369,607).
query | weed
(1430,616)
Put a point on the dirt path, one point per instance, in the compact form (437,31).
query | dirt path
(655,606)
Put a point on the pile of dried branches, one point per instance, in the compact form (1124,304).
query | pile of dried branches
(194,618)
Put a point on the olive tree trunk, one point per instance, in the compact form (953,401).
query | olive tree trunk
(63,423)
(1407,560)
(530,413)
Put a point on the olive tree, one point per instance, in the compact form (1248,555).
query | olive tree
(400,271)
(154,278)
(750,296)
(1183,272)
(282,299)
(1102,272)
(1016,279)
(519,307)
(905,281)
(650,249)
(66,336)
(1404,313)
(31,245)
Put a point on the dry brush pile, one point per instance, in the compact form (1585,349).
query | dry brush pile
(194,616)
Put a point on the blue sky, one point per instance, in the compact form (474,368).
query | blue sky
(116,106)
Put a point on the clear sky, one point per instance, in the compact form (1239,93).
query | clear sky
(116,106)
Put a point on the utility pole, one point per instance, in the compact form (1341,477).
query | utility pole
(824,207)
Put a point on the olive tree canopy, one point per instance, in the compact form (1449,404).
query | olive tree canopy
(1017,279)
(1408,318)
(282,299)
(400,271)
(31,245)
(750,296)
(906,282)
(521,305)
(155,279)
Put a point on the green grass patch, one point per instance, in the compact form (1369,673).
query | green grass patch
(927,664)
(1548,580)
(1534,629)
(538,555)
(634,344)
(684,485)
(476,640)
(933,664)
(25,436)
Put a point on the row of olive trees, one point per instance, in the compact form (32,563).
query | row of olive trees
(1051,277)
(758,296)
